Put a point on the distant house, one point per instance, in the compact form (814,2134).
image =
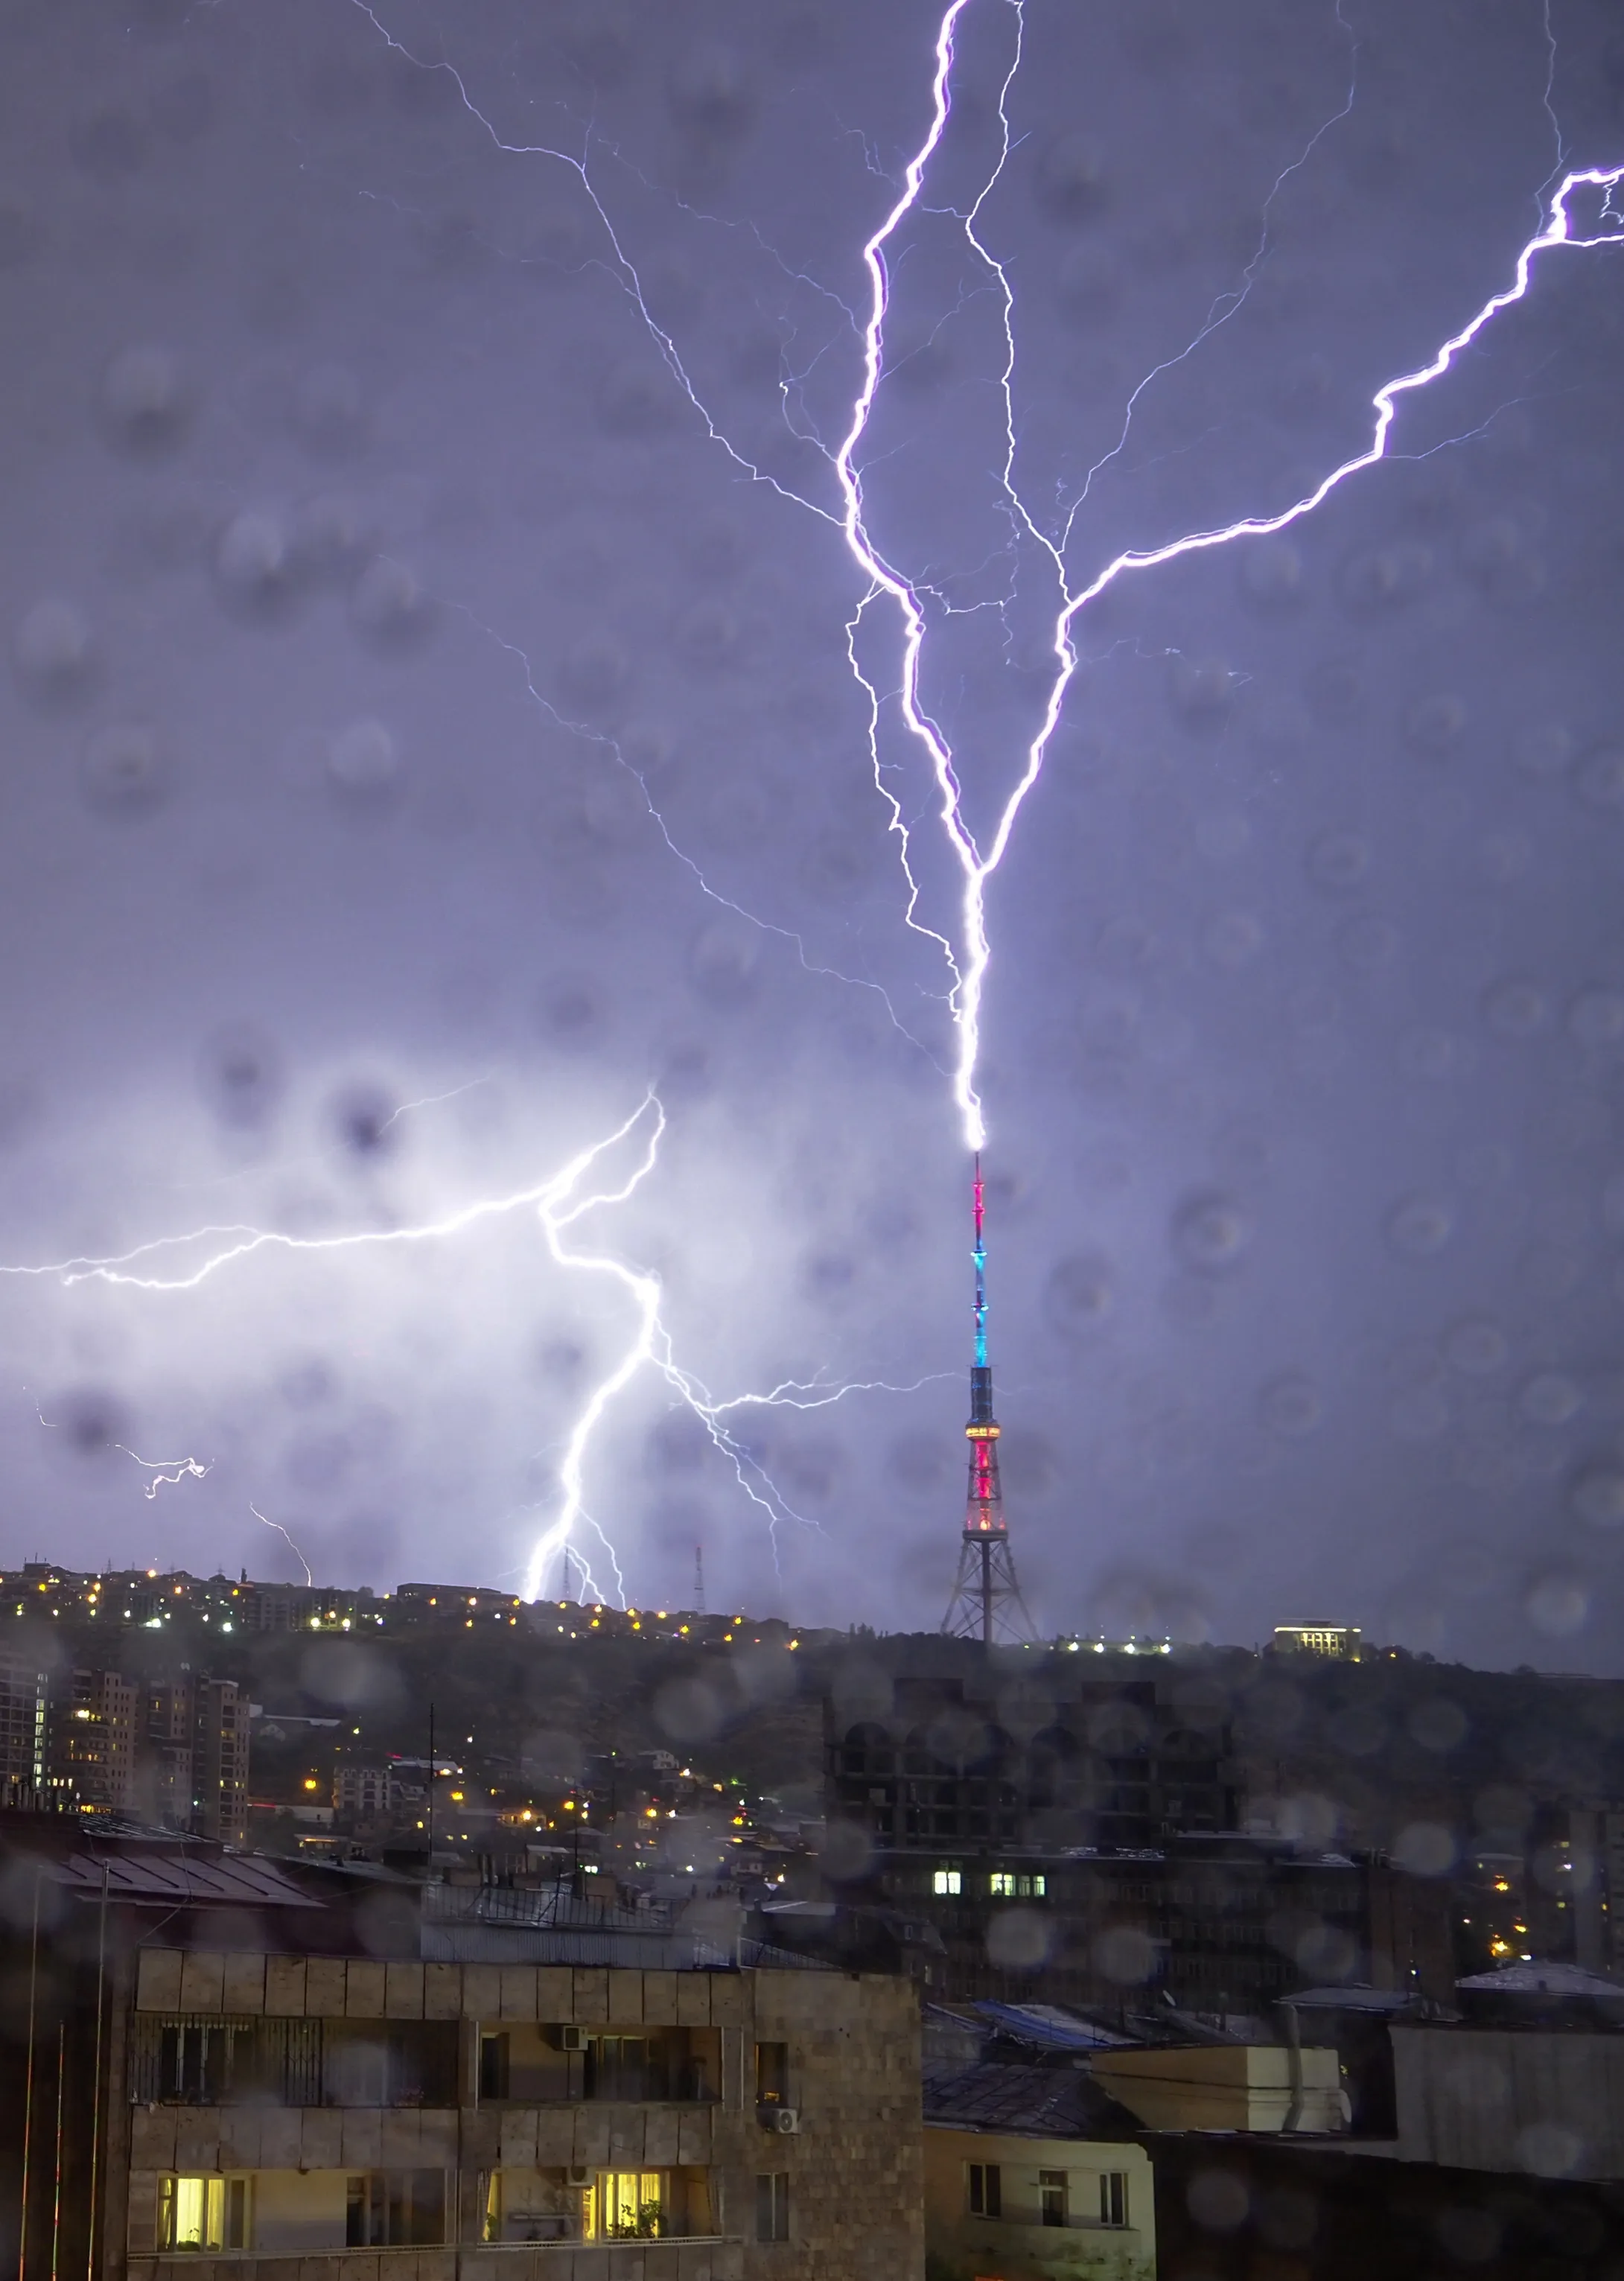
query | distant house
(1032,2174)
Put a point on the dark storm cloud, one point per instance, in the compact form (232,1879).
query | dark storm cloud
(420,737)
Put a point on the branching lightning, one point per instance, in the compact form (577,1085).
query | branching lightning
(968,956)
(172,1263)
(977,864)
(182,1263)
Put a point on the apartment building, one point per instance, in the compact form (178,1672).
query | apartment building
(193,1757)
(93,1740)
(23,1697)
(517,2120)
(220,2060)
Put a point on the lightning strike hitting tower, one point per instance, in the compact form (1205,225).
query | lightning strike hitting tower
(986,1602)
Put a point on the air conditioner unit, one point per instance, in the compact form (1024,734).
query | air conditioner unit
(783,2122)
(577,2176)
(572,2039)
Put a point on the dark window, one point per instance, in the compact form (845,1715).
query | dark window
(493,2070)
(772,2206)
(396,2209)
(1052,2196)
(772,2077)
(1114,2198)
(985,2196)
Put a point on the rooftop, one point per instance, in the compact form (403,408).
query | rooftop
(1027,2102)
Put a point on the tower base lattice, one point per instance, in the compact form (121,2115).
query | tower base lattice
(986,1602)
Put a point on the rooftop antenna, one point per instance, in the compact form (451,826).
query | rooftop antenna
(986,1602)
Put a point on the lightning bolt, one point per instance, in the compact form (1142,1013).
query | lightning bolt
(171,1264)
(166,1472)
(912,601)
(286,1539)
(919,605)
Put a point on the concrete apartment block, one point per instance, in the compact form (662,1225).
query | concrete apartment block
(347,2119)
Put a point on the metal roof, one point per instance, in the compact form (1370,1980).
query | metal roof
(1048,2027)
(1027,2102)
(1543,1980)
(180,1880)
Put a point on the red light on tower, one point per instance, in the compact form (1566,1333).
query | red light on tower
(986,1602)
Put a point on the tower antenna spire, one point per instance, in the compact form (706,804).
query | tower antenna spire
(986,1602)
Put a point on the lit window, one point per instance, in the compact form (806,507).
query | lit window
(946,1881)
(202,2213)
(625,2206)
(1002,1885)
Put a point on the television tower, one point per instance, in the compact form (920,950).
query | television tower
(986,1602)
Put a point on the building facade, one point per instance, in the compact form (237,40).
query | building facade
(1226,1924)
(23,1716)
(515,2122)
(1032,2174)
(92,1736)
(963,1761)
(193,1757)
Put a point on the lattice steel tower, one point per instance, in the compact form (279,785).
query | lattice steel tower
(986,1602)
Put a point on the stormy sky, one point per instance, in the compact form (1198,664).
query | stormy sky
(429,723)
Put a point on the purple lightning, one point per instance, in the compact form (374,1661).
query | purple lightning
(968,959)
(977,864)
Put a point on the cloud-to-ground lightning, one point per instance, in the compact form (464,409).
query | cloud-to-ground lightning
(968,956)
(182,1263)
(172,1264)
(975,862)
(287,1539)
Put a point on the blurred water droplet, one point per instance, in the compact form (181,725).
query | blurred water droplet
(54,651)
(1290,1406)
(1337,860)
(575,1011)
(1439,1724)
(1079,1296)
(1548,1398)
(722,965)
(1271,573)
(257,567)
(1232,940)
(1543,749)
(363,764)
(330,411)
(367,1121)
(390,606)
(1595,1017)
(1475,1346)
(1418,1226)
(1516,1008)
(1072,183)
(1597,1495)
(123,769)
(1367,942)
(241,1074)
(1558,1604)
(1433,723)
(145,403)
(1425,1849)
(1598,779)
(1211,1232)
